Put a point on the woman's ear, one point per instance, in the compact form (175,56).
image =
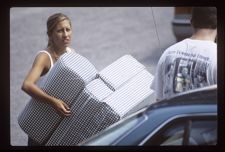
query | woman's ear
(49,40)
(48,34)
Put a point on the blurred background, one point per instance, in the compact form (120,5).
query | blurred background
(101,34)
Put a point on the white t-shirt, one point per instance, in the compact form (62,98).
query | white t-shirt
(186,65)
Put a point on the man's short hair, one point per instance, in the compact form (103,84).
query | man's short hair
(204,17)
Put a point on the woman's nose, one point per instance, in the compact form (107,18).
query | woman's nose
(65,33)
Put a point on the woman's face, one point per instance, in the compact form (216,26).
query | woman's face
(62,34)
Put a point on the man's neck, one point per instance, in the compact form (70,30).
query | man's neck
(204,34)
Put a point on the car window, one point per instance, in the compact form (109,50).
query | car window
(109,135)
(173,136)
(195,131)
(204,132)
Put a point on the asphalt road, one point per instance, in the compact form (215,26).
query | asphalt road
(101,34)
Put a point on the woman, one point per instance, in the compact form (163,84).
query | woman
(59,30)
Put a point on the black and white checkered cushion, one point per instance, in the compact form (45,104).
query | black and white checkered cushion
(67,79)
(95,104)
(131,94)
(101,106)
(120,71)
(131,82)
(89,116)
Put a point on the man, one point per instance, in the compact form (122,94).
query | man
(192,62)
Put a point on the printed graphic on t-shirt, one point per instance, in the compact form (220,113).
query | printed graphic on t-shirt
(184,74)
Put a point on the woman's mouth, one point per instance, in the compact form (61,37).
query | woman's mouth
(66,41)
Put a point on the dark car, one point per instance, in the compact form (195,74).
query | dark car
(181,22)
(187,119)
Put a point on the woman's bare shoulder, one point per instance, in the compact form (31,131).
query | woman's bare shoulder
(42,58)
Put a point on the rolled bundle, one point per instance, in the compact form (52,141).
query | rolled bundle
(66,80)
(89,116)
(120,88)
(96,100)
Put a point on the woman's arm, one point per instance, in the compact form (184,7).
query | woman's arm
(41,65)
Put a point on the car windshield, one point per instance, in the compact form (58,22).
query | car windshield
(114,132)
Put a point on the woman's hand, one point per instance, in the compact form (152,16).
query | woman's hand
(61,107)
(41,66)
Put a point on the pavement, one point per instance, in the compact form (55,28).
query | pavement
(101,34)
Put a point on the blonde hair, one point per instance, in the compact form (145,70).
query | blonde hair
(52,21)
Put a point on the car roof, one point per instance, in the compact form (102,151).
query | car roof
(201,96)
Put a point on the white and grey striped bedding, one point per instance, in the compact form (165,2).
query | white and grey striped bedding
(96,99)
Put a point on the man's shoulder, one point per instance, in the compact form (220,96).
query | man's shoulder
(182,42)
(179,45)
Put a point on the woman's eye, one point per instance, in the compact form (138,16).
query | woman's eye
(59,31)
(62,30)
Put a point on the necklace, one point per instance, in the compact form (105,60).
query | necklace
(56,58)
(55,55)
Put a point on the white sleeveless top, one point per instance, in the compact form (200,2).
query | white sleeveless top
(68,50)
